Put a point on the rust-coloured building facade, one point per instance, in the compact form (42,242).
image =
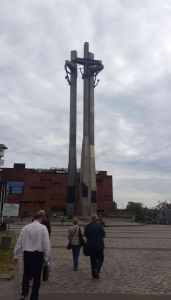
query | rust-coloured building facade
(46,189)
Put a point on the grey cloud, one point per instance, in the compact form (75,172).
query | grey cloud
(132,100)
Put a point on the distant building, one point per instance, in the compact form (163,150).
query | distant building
(36,189)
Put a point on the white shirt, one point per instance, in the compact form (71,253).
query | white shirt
(33,237)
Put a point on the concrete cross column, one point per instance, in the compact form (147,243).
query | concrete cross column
(93,208)
(72,185)
(85,178)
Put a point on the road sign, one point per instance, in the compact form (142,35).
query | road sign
(11,210)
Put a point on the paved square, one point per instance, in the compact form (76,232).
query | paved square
(137,261)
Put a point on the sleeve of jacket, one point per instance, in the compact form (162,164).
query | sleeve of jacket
(46,243)
(86,231)
(103,232)
(82,233)
(18,245)
(69,234)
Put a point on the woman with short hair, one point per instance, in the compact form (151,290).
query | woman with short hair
(74,236)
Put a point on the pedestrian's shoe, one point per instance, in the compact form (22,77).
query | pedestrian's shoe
(96,274)
(22,298)
(75,269)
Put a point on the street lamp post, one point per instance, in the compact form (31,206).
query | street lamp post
(2,152)
(6,192)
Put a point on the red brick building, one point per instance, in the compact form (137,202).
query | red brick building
(46,189)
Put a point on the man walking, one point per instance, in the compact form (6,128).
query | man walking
(34,241)
(45,222)
(95,234)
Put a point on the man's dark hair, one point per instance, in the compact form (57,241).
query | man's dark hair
(37,216)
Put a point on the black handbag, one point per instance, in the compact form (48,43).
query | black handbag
(69,244)
(82,241)
(45,274)
(86,250)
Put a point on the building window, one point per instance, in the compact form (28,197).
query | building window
(16,189)
(58,208)
(38,187)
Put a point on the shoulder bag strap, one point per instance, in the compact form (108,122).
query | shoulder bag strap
(73,234)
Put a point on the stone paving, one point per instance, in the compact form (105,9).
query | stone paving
(6,289)
(137,261)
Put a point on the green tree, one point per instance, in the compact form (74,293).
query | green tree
(138,209)
(114,205)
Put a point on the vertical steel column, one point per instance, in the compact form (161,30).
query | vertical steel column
(92,150)
(85,178)
(72,165)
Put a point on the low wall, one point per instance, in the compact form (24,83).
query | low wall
(116,216)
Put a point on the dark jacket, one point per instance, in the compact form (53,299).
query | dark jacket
(95,234)
(46,222)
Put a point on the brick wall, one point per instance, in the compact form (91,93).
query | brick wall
(47,190)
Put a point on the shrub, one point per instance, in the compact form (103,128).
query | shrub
(70,217)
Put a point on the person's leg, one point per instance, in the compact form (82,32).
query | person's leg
(93,261)
(74,249)
(73,253)
(27,270)
(31,277)
(77,253)
(100,257)
(37,268)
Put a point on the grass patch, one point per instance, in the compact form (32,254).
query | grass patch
(11,235)
(7,266)
(6,256)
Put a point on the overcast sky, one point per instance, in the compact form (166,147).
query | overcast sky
(132,100)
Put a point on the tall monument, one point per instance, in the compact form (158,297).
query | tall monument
(88,174)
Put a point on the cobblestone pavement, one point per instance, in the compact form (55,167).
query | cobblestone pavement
(137,261)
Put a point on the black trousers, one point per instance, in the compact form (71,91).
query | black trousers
(96,259)
(32,263)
